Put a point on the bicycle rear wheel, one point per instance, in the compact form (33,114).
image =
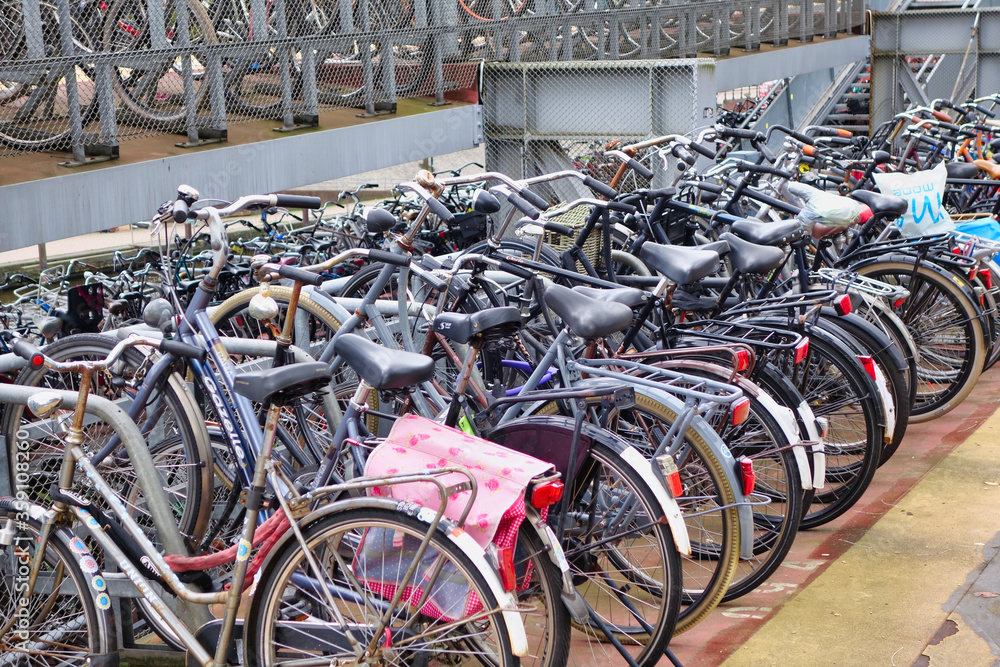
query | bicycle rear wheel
(622,556)
(944,321)
(291,616)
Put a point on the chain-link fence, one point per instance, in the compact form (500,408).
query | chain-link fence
(80,75)
(920,55)
(545,117)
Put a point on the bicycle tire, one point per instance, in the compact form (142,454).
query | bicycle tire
(188,483)
(351,527)
(955,372)
(892,364)
(762,439)
(715,540)
(605,479)
(80,624)
(836,387)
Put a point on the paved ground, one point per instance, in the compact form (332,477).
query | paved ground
(907,577)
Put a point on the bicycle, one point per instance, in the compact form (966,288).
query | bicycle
(496,630)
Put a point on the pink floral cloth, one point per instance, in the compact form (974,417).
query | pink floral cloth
(416,443)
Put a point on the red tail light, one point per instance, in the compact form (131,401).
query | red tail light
(742,360)
(747,476)
(671,475)
(547,494)
(899,302)
(741,410)
(842,304)
(505,565)
(988,279)
(802,350)
(823,426)
(869,365)
(37,360)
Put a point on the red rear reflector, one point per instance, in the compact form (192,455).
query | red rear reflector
(747,475)
(505,564)
(899,302)
(823,426)
(671,475)
(742,360)
(547,494)
(988,279)
(37,360)
(741,410)
(842,304)
(869,365)
(802,350)
(866,214)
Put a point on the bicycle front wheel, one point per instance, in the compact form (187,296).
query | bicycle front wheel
(447,611)
(65,621)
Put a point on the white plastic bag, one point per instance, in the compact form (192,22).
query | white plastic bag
(923,191)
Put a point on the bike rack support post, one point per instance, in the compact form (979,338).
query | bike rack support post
(366,58)
(290,120)
(310,98)
(106,107)
(68,47)
(196,135)
(216,95)
(33,38)
(751,18)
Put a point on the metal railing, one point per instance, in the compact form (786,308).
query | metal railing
(80,76)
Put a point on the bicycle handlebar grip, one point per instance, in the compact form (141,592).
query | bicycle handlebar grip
(558,229)
(181,210)
(386,257)
(735,132)
(181,349)
(986,112)
(440,210)
(534,199)
(703,150)
(804,138)
(940,115)
(515,270)
(298,201)
(622,207)
(766,152)
(833,131)
(300,275)
(27,351)
(600,188)
(640,169)
(524,207)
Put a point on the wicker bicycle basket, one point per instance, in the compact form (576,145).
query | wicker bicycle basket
(577,220)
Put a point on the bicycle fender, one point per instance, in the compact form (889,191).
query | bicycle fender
(461,539)
(786,419)
(819,453)
(729,465)
(670,507)
(888,405)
